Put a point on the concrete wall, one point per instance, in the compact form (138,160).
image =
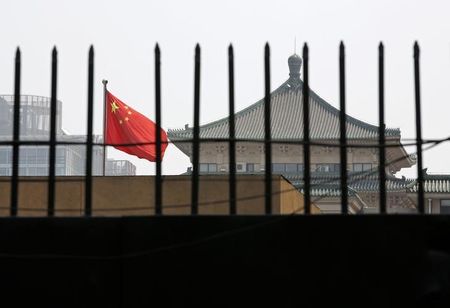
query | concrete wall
(115,196)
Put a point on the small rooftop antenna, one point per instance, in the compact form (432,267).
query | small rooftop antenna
(295,45)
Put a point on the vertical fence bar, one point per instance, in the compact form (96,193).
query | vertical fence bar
(306,145)
(342,130)
(52,147)
(158,184)
(16,135)
(267,135)
(419,141)
(232,141)
(105,108)
(196,134)
(89,139)
(381,130)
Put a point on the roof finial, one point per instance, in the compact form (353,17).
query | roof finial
(294,62)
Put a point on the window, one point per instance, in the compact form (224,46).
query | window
(322,168)
(30,155)
(445,206)
(250,167)
(359,167)
(291,168)
(286,168)
(60,171)
(60,156)
(42,156)
(22,171)
(240,167)
(205,168)
(327,167)
(337,167)
(212,167)
(41,171)
(5,171)
(4,156)
(367,167)
(278,167)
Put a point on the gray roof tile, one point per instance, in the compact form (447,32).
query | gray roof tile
(287,120)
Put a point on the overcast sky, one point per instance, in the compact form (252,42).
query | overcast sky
(124,34)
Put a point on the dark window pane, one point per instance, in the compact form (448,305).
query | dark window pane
(240,167)
(357,167)
(31,171)
(42,156)
(323,167)
(367,167)
(278,167)
(212,167)
(5,171)
(250,167)
(203,167)
(445,206)
(60,171)
(60,156)
(337,167)
(292,168)
(41,171)
(4,156)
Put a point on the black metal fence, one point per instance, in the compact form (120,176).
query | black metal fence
(268,141)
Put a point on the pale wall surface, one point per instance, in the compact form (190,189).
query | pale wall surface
(252,152)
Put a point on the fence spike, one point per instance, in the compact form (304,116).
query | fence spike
(89,139)
(267,135)
(16,136)
(420,175)
(342,130)
(381,130)
(158,179)
(52,144)
(306,141)
(232,133)
(196,134)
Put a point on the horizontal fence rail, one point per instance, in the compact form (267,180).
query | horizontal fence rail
(345,180)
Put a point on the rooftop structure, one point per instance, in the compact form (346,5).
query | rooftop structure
(287,156)
(287,122)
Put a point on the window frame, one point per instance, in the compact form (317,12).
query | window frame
(447,206)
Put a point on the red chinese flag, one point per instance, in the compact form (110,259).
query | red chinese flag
(124,125)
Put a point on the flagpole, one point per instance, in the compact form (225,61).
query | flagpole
(105,82)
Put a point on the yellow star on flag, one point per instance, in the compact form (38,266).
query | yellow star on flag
(114,107)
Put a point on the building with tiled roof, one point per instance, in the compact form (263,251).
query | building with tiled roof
(287,156)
